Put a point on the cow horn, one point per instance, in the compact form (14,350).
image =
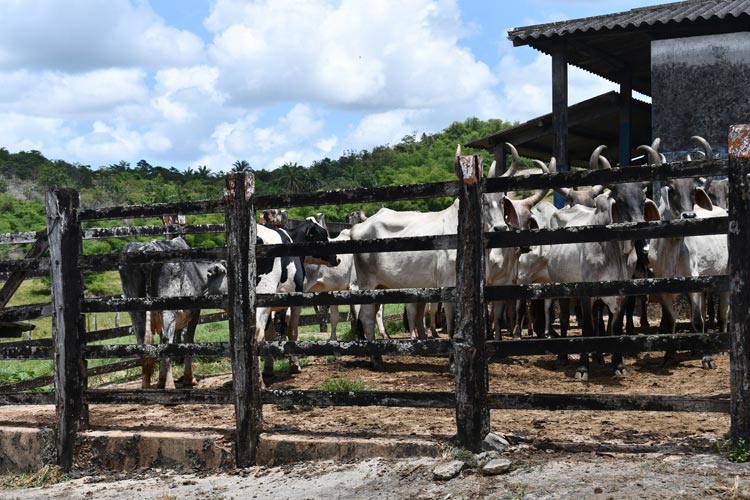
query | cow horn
(493,168)
(655,145)
(709,155)
(653,156)
(515,164)
(539,194)
(458,151)
(594,160)
(605,163)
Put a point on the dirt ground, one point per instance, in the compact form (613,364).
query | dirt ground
(601,476)
(533,374)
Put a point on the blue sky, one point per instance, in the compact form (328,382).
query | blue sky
(191,82)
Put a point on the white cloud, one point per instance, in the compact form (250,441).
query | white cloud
(298,136)
(80,96)
(105,143)
(355,55)
(19,132)
(80,35)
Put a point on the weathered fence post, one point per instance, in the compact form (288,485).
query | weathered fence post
(68,330)
(472,378)
(738,241)
(241,234)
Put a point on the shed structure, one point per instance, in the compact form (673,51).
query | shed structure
(691,57)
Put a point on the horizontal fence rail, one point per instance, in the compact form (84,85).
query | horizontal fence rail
(18,238)
(408,295)
(96,233)
(112,261)
(23,313)
(154,210)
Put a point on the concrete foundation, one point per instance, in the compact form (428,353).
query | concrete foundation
(24,449)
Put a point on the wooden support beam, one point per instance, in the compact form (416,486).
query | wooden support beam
(472,376)
(241,272)
(560,111)
(68,331)
(626,112)
(738,240)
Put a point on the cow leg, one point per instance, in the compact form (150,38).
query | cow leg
(143,336)
(294,313)
(644,314)
(582,370)
(334,315)
(615,305)
(188,380)
(723,311)
(520,316)
(367,313)
(421,329)
(629,311)
(711,315)
(668,323)
(269,336)
(169,320)
(497,313)
(449,309)
(434,312)
(699,326)
(379,321)
(562,359)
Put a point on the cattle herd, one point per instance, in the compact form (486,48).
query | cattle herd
(692,256)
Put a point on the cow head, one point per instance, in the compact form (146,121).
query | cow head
(216,279)
(275,218)
(355,217)
(311,230)
(680,196)
(586,197)
(718,191)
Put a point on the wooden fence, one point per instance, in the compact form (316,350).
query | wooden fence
(71,346)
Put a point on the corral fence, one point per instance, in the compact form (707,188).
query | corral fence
(71,346)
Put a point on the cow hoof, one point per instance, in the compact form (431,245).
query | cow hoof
(708,363)
(582,374)
(621,372)
(294,369)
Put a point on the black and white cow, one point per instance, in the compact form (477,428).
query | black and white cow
(290,276)
(169,279)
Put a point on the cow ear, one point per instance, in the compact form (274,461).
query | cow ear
(509,212)
(651,211)
(703,200)
(614,213)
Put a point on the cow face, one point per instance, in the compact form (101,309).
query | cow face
(718,191)
(216,279)
(311,231)
(682,195)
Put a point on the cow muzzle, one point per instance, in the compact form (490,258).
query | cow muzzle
(688,215)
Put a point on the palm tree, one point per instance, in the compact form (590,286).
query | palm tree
(202,172)
(241,166)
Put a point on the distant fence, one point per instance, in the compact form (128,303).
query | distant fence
(71,345)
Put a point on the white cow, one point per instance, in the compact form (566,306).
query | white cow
(692,256)
(600,261)
(341,277)
(423,269)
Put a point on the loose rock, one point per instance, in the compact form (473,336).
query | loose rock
(494,442)
(446,471)
(486,456)
(497,466)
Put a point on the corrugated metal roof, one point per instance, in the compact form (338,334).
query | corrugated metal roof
(676,12)
(617,44)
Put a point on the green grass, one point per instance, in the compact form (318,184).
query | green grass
(740,452)
(343,385)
